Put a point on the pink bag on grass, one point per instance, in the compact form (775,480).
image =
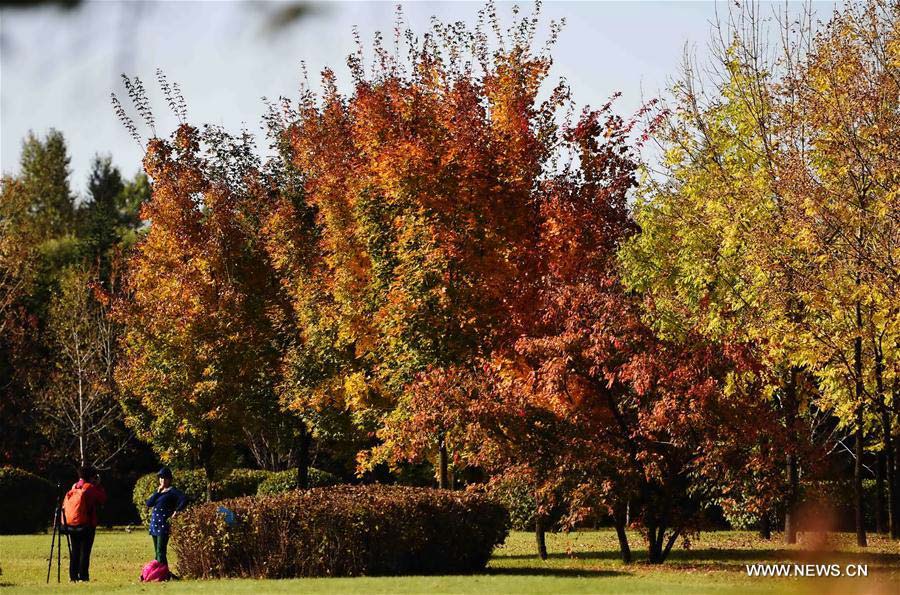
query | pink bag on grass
(153,572)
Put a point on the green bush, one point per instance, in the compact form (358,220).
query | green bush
(240,482)
(237,483)
(517,496)
(518,499)
(280,482)
(27,501)
(340,531)
(740,519)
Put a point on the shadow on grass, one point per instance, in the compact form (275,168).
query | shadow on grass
(559,572)
(603,555)
(736,557)
(741,556)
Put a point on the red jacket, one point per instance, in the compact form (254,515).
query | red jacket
(83,511)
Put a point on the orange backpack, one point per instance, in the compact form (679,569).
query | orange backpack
(76,508)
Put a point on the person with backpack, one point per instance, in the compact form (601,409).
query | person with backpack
(80,509)
(166,501)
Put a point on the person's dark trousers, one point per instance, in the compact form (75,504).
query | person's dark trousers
(160,543)
(82,539)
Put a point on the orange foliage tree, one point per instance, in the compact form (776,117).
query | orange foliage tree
(423,180)
(202,349)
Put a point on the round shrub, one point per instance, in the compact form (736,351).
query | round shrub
(518,499)
(517,496)
(340,531)
(27,501)
(280,482)
(238,482)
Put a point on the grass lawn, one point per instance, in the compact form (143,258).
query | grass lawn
(582,562)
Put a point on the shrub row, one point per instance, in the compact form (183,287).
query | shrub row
(237,483)
(340,531)
(26,501)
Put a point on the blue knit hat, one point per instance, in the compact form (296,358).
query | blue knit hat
(165,473)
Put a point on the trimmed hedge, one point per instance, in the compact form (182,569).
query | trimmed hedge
(279,482)
(340,531)
(27,501)
(238,482)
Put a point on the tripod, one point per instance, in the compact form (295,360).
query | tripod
(59,529)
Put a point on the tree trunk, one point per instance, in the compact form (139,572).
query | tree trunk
(206,460)
(671,541)
(886,508)
(81,430)
(894,495)
(892,505)
(303,442)
(765,524)
(880,512)
(790,512)
(858,501)
(620,520)
(443,479)
(651,543)
(893,522)
(655,537)
(765,527)
(793,473)
(540,535)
